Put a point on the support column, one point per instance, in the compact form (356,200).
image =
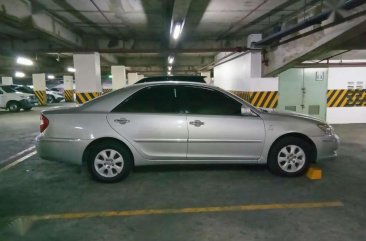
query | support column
(132,78)
(207,75)
(140,76)
(39,87)
(88,84)
(7,80)
(69,88)
(118,77)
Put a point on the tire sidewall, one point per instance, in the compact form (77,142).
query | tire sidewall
(272,162)
(14,110)
(127,159)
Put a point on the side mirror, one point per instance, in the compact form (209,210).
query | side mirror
(246,111)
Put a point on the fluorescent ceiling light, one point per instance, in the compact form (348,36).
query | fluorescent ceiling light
(169,68)
(19,74)
(169,73)
(71,69)
(24,61)
(110,76)
(177,30)
(50,76)
(170,59)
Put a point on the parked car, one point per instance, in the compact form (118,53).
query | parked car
(14,101)
(178,123)
(52,96)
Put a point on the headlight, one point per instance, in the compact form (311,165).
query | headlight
(327,129)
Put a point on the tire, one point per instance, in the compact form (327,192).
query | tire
(290,157)
(13,106)
(51,99)
(27,109)
(106,169)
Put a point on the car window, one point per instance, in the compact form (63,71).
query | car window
(1,92)
(8,89)
(157,99)
(206,101)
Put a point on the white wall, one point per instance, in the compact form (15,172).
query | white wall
(243,74)
(338,78)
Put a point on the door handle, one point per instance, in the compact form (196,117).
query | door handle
(196,123)
(122,121)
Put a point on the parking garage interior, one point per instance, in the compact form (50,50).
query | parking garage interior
(303,56)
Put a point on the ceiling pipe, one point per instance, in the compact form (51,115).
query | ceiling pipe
(348,5)
(327,65)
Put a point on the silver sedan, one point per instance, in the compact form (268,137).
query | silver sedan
(179,123)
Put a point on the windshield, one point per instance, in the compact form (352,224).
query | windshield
(8,89)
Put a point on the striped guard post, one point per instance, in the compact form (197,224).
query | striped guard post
(69,95)
(263,99)
(106,91)
(41,96)
(82,97)
(346,98)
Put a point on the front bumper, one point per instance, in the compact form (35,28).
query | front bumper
(60,149)
(326,146)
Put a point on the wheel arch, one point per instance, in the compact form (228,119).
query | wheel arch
(300,136)
(87,150)
(10,101)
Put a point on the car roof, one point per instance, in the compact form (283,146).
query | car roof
(183,78)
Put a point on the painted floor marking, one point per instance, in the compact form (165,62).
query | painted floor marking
(143,212)
(18,161)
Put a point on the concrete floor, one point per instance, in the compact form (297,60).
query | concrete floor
(38,187)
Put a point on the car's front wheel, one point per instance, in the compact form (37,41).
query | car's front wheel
(109,162)
(290,157)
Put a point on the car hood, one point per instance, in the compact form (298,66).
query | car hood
(291,114)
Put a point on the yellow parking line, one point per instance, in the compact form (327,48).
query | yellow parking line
(143,212)
(17,161)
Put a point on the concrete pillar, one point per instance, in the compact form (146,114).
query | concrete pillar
(207,75)
(132,78)
(118,77)
(7,80)
(69,88)
(39,87)
(140,76)
(88,83)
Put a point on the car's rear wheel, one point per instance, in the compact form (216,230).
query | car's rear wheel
(290,157)
(109,162)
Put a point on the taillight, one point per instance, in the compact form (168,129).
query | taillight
(44,123)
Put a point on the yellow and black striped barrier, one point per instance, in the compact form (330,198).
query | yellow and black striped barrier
(346,98)
(264,99)
(106,91)
(41,96)
(69,95)
(82,97)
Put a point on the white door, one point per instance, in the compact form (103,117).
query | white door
(152,123)
(216,128)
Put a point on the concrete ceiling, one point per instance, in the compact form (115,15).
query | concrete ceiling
(135,33)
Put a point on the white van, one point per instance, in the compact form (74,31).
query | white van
(14,101)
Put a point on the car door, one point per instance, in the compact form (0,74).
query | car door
(217,130)
(2,99)
(151,122)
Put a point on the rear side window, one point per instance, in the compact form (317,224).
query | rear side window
(205,101)
(156,99)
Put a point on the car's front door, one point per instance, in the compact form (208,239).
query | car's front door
(151,121)
(217,130)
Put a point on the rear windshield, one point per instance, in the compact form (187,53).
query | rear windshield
(8,89)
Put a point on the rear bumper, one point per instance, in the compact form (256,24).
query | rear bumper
(326,146)
(63,150)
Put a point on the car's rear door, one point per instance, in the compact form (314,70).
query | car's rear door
(217,130)
(151,121)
